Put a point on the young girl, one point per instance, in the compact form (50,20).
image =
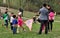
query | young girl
(51,19)
(20,23)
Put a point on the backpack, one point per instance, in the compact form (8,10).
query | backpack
(51,16)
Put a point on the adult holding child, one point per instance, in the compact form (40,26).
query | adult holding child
(43,17)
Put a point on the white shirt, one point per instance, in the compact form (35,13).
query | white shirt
(19,13)
(11,19)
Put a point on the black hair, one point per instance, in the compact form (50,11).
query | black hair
(20,9)
(49,6)
(52,10)
(44,4)
(6,8)
(12,13)
(14,16)
(5,12)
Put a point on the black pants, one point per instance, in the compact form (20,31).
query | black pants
(6,23)
(11,26)
(45,22)
(50,25)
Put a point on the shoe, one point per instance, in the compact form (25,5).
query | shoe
(46,33)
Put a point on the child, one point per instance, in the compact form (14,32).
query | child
(11,19)
(14,22)
(51,19)
(6,18)
(20,23)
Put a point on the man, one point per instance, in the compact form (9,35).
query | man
(43,18)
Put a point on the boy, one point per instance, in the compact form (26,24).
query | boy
(11,19)
(6,18)
(14,22)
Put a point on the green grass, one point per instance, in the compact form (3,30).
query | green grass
(33,34)
(4,33)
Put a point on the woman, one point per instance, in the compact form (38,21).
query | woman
(51,15)
(51,19)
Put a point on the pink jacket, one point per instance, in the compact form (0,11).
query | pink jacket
(20,21)
(51,16)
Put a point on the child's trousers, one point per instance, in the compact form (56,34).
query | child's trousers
(11,26)
(14,30)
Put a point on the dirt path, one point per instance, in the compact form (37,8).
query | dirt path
(10,9)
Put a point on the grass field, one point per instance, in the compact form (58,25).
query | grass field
(4,33)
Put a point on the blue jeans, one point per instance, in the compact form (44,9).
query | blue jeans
(14,30)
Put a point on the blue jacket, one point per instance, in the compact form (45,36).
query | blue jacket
(43,13)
